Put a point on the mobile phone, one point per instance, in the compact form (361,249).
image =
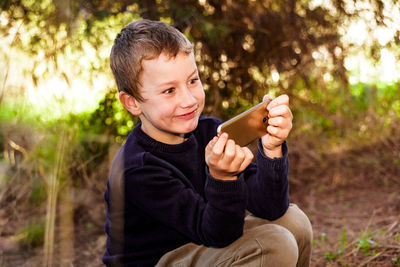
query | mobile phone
(248,125)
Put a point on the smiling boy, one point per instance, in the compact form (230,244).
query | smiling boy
(177,194)
(174,98)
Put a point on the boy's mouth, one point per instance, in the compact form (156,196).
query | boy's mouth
(187,116)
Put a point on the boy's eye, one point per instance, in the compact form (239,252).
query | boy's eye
(193,81)
(169,90)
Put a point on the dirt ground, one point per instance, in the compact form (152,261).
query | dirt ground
(361,212)
(353,202)
(352,198)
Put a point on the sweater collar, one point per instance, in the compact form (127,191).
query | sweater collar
(152,144)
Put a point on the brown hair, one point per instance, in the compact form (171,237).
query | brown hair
(143,39)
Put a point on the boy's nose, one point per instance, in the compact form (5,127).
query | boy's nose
(188,99)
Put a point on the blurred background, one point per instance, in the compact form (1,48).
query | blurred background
(61,122)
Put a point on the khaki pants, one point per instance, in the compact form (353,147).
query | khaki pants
(283,242)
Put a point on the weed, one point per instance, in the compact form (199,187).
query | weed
(366,245)
(38,193)
(32,234)
(343,237)
(89,226)
(396,237)
(323,239)
(331,256)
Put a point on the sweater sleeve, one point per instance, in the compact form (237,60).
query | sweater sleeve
(214,220)
(268,185)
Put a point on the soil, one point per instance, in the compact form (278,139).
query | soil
(352,198)
(353,202)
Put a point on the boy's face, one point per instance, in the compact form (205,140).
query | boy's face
(174,97)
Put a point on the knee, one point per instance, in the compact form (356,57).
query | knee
(286,242)
(301,225)
(279,246)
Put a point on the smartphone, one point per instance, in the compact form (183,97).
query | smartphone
(248,125)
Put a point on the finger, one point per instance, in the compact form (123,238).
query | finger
(248,157)
(277,132)
(248,154)
(281,122)
(277,121)
(281,110)
(230,151)
(211,144)
(272,130)
(239,152)
(280,100)
(238,159)
(219,145)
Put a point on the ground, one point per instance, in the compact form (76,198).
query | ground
(352,198)
(354,228)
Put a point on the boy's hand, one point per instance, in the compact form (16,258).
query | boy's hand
(225,159)
(279,126)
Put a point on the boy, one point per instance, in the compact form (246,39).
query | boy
(177,194)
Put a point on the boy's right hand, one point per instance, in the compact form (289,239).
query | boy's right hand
(225,159)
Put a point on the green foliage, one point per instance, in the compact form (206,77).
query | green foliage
(331,256)
(110,118)
(323,239)
(334,255)
(366,245)
(359,114)
(344,237)
(396,237)
(19,113)
(33,234)
(38,193)
(258,39)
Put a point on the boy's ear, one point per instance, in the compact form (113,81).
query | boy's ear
(130,103)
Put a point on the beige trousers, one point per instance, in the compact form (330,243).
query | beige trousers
(284,242)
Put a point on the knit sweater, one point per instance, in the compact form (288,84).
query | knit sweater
(160,197)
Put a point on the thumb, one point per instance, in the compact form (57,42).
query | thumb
(267,97)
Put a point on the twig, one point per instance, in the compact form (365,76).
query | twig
(370,220)
(388,246)
(350,245)
(83,164)
(9,184)
(52,193)
(17,147)
(370,259)
(393,226)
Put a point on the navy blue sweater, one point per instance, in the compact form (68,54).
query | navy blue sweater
(160,197)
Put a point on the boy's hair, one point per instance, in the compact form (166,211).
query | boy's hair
(143,40)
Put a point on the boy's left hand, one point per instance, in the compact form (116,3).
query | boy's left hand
(279,125)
